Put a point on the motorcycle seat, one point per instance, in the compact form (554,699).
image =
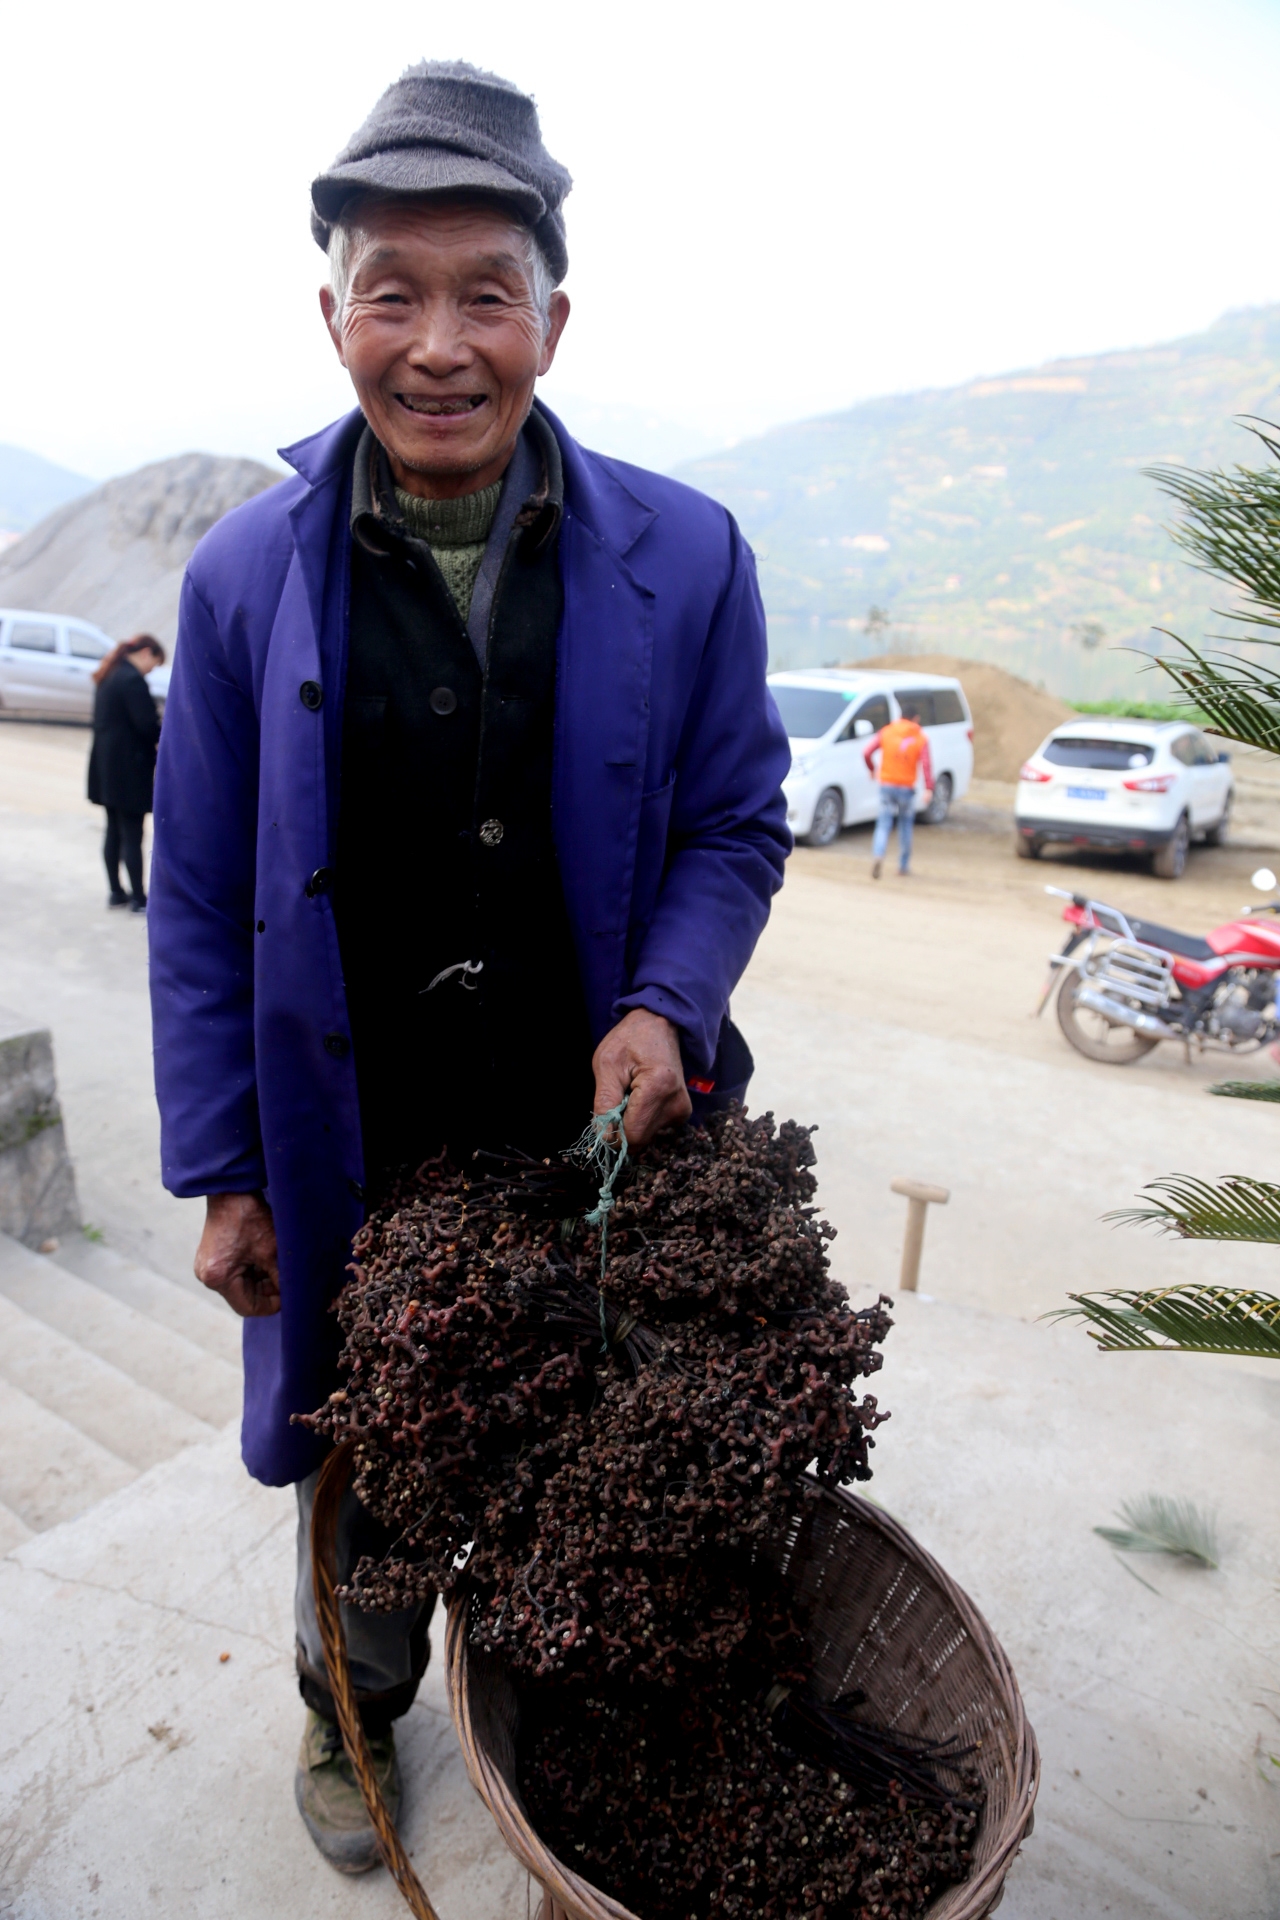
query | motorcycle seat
(1185,944)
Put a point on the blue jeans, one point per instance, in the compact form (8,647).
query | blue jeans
(896,804)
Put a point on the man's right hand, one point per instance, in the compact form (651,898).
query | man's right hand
(237,1253)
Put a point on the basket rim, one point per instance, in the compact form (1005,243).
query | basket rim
(977,1895)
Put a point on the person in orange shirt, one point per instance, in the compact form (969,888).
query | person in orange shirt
(904,752)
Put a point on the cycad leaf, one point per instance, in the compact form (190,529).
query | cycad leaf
(1240,699)
(1237,1208)
(1185,1319)
(1157,1524)
(1248,1089)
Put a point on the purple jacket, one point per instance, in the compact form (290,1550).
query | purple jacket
(668,818)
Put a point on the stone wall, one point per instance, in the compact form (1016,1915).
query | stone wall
(37,1182)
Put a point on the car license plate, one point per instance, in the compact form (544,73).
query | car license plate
(1086,793)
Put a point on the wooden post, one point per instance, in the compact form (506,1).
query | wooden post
(918,1195)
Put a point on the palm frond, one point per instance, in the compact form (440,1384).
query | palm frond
(1231,521)
(1186,1319)
(1237,1208)
(1230,527)
(1157,1524)
(1248,1089)
(1240,698)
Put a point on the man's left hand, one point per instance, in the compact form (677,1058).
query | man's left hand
(641,1056)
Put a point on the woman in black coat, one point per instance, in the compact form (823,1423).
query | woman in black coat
(122,765)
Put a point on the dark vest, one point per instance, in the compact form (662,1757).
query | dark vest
(446,868)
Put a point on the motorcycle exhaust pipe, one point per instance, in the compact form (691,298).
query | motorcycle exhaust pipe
(1122,1016)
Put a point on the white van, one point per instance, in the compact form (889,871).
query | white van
(831,712)
(47,662)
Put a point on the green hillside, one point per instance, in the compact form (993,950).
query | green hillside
(1007,520)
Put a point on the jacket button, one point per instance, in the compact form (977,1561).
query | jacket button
(320,882)
(355,1189)
(491,833)
(311,693)
(443,700)
(337,1044)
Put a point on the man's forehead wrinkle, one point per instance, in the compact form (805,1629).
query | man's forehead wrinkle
(387,253)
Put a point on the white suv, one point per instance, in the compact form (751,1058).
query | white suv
(1131,785)
(831,712)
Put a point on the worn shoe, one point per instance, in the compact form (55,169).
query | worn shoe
(329,1797)
(875,869)
(137,906)
(117,899)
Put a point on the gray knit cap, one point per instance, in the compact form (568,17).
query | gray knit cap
(447,127)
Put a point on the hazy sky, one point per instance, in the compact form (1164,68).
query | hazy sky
(779,209)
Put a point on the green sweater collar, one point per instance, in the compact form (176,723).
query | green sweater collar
(464,522)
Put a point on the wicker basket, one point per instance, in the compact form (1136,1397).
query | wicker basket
(883,1616)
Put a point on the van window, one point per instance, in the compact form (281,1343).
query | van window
(947,710)
(876,710)
(808,712)
(1102,756)
(916,703)
(86,646)
(31,638)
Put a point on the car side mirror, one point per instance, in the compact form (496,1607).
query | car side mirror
(861,728)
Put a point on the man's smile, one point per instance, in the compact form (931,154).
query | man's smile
(452,403)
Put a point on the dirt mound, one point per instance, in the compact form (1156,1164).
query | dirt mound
(1010,716)
(116,555)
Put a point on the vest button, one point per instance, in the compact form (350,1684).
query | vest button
(491,833)
(443,700)
(355,1190)
(311,693)
(337,1044)
(320,882)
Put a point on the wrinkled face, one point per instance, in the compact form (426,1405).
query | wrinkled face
(442,339)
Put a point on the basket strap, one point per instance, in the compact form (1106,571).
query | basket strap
(330,1487)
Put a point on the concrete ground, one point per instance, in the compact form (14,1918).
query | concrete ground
(139,1773)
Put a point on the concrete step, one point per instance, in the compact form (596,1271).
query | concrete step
(187,1310)
(13,1530)
(138,1426)
(49,1470)
(168,1363)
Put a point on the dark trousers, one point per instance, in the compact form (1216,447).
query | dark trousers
(388,1651)
(124,842)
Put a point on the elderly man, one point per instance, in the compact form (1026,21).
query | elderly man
(468,811)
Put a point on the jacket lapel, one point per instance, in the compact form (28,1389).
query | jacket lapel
(603,670)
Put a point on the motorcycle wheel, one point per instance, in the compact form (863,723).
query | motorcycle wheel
(1092,1035)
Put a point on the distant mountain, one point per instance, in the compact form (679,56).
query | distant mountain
(116,556)
(1007,520)
(30,487)
(637,434)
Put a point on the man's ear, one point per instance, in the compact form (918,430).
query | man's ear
(329,308)
(559,313)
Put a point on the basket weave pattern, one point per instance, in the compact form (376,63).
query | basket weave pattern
(883,1616)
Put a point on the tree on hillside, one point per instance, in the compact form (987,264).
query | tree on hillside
(1230,528)
(877,624)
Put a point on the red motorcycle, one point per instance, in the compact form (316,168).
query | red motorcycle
(1125,984)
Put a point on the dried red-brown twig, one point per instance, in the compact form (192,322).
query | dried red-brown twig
(605,1456)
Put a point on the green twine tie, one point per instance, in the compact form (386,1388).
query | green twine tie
(593,1150)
